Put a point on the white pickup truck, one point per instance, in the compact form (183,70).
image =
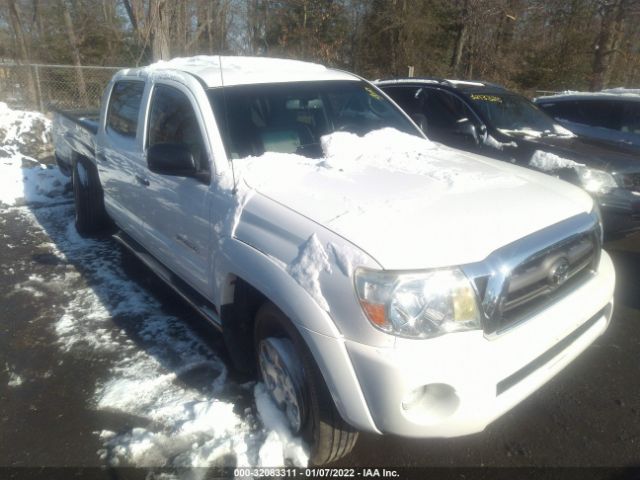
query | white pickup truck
(376,281)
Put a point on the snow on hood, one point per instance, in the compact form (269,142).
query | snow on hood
(548,161)
(411,203)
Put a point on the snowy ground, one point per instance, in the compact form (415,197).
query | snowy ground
(159,370)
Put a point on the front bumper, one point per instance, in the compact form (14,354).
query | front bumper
(472,379)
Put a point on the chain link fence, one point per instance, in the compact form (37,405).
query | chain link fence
(42,87)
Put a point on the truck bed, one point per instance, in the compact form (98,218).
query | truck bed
(74,133)
(85,118)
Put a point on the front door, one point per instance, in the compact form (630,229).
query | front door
(177,206)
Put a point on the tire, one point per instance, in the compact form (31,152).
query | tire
(90,217)
(329,437)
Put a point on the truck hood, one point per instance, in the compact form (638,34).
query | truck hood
(433,208)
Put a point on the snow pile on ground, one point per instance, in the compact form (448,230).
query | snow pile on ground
(550,161)
(28,131)
(25,176)
(15,380)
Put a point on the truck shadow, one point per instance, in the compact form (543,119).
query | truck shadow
(117,306)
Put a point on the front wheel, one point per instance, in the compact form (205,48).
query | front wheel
(295,384)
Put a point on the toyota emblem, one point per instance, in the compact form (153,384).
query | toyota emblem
(559,272)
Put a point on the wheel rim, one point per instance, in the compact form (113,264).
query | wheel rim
(283,376)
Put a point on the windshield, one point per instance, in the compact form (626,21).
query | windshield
(514,114)
(291,117)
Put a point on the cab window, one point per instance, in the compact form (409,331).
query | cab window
(124,107)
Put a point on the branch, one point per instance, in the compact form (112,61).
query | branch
(198,32)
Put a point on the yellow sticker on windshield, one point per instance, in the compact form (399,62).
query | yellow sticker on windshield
(373,93)
(486,98)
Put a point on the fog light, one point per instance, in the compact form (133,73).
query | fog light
(431,403)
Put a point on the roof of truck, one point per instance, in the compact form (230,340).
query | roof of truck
(215,71)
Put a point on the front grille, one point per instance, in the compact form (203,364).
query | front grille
(547,276)
(537,281)
(523,277)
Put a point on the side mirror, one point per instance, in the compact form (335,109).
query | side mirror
(467,130)
(420,120)
(171,159)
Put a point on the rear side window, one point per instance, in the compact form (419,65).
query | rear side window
(599,113)
(405,97)
(124,107)
(442,109)
(631,118)
(564,111)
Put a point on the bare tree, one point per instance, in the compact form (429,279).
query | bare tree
(15,18)
(611,13)
(75,51)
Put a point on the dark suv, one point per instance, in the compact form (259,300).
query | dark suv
(611,115)
(488,119)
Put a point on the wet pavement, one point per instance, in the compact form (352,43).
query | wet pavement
(54,381)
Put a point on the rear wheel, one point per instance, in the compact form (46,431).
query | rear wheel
(90,215)
(295,384)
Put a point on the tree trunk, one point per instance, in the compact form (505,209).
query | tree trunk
(606,45)
(461,39)
(159,27)
(75,52)
(16,25)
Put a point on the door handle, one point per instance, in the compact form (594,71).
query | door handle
(142,180)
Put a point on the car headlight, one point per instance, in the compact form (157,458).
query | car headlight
(596,181)
(418,305)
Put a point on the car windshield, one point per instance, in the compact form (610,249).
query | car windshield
(291,117)
(514,114)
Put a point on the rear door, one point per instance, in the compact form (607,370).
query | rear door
(119,155)
(177,207)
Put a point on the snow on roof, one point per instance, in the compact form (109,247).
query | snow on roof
(633,93)
(408,80)
(216,71)
(465,83)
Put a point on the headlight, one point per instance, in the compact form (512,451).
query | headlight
(596,181)
(418,305)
